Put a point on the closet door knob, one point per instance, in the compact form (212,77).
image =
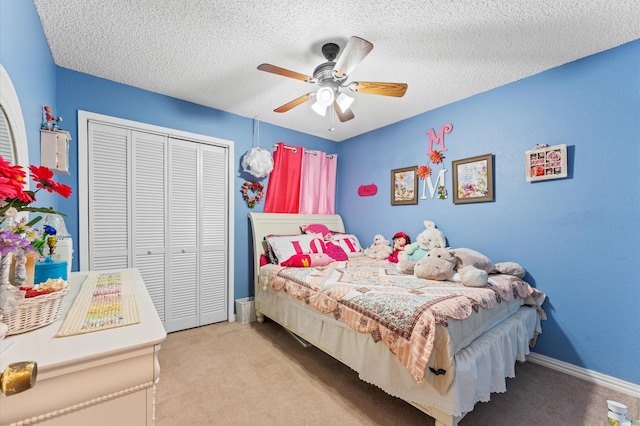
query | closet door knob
(149,252)
(184,251)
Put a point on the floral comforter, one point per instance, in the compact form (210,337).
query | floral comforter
(400,310)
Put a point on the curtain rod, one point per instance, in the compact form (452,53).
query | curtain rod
(294,149)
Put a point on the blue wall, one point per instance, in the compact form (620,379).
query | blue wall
(25,55)
(78,91)
(577,237)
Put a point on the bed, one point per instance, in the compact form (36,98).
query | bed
(440,346)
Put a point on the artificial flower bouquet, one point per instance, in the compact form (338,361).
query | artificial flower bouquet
(18,234)
(18,237)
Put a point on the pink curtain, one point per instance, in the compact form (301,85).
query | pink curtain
(318,183)
(283,191)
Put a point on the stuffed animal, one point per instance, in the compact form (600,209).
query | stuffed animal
(427,240)
(380,249)
(400,240)
(464,265)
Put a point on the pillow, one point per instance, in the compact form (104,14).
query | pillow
(511,268)
(282,247)
(308,260)
(335,251)
(317,228)
(349,243)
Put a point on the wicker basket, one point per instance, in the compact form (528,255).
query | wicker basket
(36,312)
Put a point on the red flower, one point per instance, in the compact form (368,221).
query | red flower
(424,171)
(62,189)
(14,196)
(436,156)
(12,180)
(7,189)
(43,177)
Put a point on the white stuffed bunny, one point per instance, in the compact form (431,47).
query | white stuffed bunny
(427,240)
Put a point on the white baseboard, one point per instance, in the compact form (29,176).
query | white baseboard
(600,379)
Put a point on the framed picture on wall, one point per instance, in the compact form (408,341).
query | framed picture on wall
(473,179)
(404,186)
(546,162)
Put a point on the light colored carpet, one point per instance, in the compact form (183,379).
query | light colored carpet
(249,374)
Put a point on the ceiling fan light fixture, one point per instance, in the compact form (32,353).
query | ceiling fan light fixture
(319,109)
(344,102)
(325,96)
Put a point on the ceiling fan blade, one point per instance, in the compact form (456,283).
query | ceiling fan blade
(285,72)
(343,116)
(294,103)
(354,52)
(377,88)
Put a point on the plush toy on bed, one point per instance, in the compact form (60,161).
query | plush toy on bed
(380,249)
(427,240)
(464,265)
(400,240)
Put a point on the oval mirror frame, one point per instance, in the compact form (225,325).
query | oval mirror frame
(16,132)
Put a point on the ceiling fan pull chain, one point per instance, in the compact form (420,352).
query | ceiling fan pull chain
(331,129)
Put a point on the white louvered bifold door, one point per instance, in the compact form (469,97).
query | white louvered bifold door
(109,174)
(214,257)
(160,204)
(149,213)
(181,309)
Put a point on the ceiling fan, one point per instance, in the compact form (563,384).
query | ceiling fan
(332,77)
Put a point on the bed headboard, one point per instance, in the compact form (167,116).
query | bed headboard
(263,224)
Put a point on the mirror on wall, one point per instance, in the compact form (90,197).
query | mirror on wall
(13,135)
(7,144)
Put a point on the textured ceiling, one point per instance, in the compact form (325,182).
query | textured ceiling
(207,52)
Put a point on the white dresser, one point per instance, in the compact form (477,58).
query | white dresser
(100,378)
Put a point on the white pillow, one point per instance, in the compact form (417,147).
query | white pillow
(285,246)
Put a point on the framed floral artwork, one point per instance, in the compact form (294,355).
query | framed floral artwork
(546,162)
(404,186)
(473,179)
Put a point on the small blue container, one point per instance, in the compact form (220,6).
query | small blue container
(49,269)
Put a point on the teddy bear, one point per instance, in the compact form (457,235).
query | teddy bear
(464,265)
(400,240)
(380,249)
(426,240)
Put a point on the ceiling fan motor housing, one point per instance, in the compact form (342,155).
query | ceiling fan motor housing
(330,51)
(324,72)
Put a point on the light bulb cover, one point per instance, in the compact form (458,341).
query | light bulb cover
(325,96)
(319,109)
(344,102)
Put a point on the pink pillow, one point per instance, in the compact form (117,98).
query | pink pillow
(317,228)
(335,251)
(308,260)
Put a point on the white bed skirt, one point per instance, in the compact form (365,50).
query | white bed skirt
(481,368)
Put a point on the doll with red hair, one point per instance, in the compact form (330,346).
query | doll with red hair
(400,239)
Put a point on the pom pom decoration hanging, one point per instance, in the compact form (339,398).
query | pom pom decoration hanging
(257,162)
(435,156)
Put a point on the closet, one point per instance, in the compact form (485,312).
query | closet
(159,201)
